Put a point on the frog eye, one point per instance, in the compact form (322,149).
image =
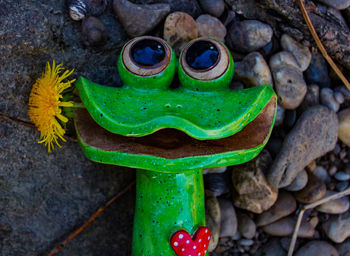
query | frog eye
(147,62)
(205,64)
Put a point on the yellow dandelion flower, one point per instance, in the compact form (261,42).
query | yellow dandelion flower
(45,104)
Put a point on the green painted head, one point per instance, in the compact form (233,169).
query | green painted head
(174,114)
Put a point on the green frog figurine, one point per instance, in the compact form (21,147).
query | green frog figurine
(170,128)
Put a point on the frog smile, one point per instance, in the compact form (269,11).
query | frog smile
(149,124)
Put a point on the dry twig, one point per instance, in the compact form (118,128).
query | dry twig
(310,206)
(320,45)
(100,210)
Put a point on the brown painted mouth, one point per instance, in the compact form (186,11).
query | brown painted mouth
(172,143)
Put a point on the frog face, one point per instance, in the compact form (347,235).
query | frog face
(172,114)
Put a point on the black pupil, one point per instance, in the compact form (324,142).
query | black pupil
(147,52)
(202,55)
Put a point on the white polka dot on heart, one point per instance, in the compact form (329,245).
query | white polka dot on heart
(183,249)
(194,247)
(188,241)
(200,240)
(205,245)
(181,236)
(208,237)
(176,243)
(199,254)
(206,231)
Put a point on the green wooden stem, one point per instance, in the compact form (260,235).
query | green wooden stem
(165,203)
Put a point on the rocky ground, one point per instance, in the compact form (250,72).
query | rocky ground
(43,197)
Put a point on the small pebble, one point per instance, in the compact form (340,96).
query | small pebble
(336,206)
(284,206)
(246,242)
(339,97)
(321,173)
(246,226)
(328,99)
(215,8)
(342,176)
(228,218)
(299,182)
(248,35)
(285,227)
(337,228)
(337,4)
(332,170)
(209,26)
(216,183)
(254,71)
(301,53)
(139,19)
(317,248)
(80,9)
(283,58)
(93,32)
(312,97)
(341,186)
(229,17)
(317,72)
(290,118)
(315,189)
(179,29)
(344,126)
(344,248)
(271,48)
(280,115)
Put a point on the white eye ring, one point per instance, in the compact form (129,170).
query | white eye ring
(214,72)
(140,70)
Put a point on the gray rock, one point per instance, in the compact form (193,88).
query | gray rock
(284,206)
(273,248)
(285,227)
(344,126)
(80,9)
(312,97)
(299,182)
(289,84)
(228,218)
(337,228)
(283,58)
(314,190)
(191,7)
(253,191)
(344,248)
(139,19)
(336,206)
(218,183)
(215,8)
(248,35)
(213,218)
(93,32)
(211,26)
(302,144)
(321,173)
(341,186)
(254,71)
(339,97)
(317,72)
(317,248)
(279,115)
(300,52)
(328,99)
(246,226)
(179,29)
(342,176)
(337,4)
(246,242)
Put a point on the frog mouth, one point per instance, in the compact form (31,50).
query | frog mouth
(174,146)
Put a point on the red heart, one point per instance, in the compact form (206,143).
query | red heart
(184,245)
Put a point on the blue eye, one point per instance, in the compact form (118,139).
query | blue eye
(147,52)
(202,55)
